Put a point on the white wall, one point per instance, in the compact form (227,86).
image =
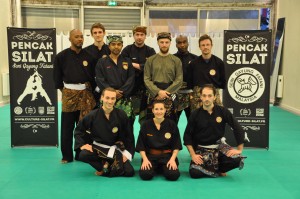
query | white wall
(291,54)
(4,22)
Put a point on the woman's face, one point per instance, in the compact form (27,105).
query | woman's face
(159,110)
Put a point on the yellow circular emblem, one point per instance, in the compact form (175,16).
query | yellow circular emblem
(115,129)
(219,119)
(103,56)
(212,72)
(168,135)
(85,63)
(125,65)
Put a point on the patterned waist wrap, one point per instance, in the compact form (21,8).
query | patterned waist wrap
(171,103)
(112,163)
(215,160)
(78,100)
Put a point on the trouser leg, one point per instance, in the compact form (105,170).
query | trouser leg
(228,163)
(91,158)
(147,174)
(195,173)
(68,122)
(128,169)
(170,174)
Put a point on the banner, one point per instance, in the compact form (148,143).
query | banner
(33,98)
(247,58)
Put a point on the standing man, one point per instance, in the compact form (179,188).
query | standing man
(186,57)
(206,69)
(98,50)
(104,138)
(139,52)
(211,156)
(163,77)
(74,77)
(117,72)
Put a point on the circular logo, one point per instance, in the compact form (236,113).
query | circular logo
(18,110)
(103,56)
(168,135)
(212,72)
(219,119)
(115,129)
(125,65)
(85,63)
(246,85)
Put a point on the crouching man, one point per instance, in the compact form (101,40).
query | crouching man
(104,138)
(203,137)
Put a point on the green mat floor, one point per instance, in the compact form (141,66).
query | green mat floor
(31,173)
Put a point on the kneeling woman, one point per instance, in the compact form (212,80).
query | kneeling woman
(159,143)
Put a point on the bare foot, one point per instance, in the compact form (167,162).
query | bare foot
(99,173)
(222,174)
(64,161)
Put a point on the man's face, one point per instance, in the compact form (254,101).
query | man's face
(76,39)
(108,99)
(205,47)
(207,97)
(98,34)
(139,38)
(115,47)
(182,44)
(164,45)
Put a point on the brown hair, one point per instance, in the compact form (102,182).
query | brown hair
(158,102)
(108,89)
(97,25)
(204,37)
(209,86)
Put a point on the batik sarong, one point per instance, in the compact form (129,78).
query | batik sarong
(215,160)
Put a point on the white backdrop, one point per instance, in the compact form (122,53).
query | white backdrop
(63,43)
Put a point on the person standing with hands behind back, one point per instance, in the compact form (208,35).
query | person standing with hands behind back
(73,75)
(139,52)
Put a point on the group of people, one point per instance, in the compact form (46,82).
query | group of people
(104,88)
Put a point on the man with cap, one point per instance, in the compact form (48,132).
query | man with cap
(186,57)
(74,74)
(117,72)
(163,77)
(206,69)
(98,50)
(139,52)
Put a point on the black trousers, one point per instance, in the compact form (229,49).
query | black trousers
(97,163)
(68,123)
(159,165)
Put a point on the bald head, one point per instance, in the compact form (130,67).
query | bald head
(182,43)
(76,39)
(181,38)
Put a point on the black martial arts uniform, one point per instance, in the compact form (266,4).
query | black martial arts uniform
(206,129)
(158,146)
(95,127)
(73,68)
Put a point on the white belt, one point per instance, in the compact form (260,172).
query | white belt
(75,86)
(112,149)
(213,146)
